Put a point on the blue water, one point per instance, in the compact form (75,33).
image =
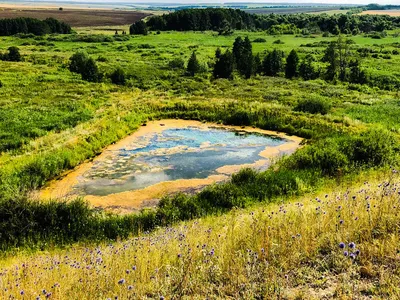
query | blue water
(180,153)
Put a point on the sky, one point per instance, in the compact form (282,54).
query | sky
(111,2)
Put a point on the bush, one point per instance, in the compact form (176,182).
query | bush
(82,64)
(314,105)
(13,54)
(278,42)
(118,76)
(259,40)
(177,63)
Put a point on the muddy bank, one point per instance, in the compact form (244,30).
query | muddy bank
(128,200)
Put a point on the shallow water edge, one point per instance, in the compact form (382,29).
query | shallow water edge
(133,200)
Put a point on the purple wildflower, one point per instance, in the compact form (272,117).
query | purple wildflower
(121,281)
(345,253)
(352,245)
(342,245)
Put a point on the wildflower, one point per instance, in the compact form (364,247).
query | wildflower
(342,245)
(345,253)
(341,222)
(179,255)
(352,256)
(352,245)
(127,271)
(162,298)
(44,292)
(48,295)
(22,292)
(121,281)
(130,288)
(134,268)
(357,252)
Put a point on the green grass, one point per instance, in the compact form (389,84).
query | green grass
(52,120)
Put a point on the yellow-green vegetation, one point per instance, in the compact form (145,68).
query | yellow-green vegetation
(323,222)
(340,243)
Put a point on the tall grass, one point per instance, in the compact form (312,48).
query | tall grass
(286,250)
(26,223)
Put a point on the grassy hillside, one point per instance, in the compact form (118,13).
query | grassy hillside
(340,243)
(274,234)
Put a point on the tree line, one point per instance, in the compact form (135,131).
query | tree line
(337,64)
(225,20)
(32,26)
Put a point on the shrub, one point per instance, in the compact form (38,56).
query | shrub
(259,40)
(176,63)
(82,64)
(314,105)
(118,76)
(278,42)
(13,54)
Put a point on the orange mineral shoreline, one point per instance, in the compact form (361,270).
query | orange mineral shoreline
(137,199)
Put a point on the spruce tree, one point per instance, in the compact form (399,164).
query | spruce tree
(273,63)
(237,49)
(193,65)
(246,61)
(292,64)
(257,65)
(223,67)
(307,69)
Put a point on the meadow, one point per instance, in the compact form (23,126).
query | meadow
(258,235)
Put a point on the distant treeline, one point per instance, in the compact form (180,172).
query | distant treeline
(32,26)
(224,20)
(381,7)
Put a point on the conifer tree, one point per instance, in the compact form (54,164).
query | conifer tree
(193,65)
(223,67)
(292,64)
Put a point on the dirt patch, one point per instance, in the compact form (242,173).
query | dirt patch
(76,17)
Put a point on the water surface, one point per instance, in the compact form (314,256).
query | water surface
(172,154)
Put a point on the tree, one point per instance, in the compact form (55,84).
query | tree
(307,70)
(243,56)
(257,65)
(82,64)
(138,27)
(223,67)
(337,55)
(292,64)
(237,49)
(245,67)
(193,65)
(357,75)
(118,76)
(218,53)
(343,55)
(13,54)
(77,62)
(91,72)
(331,57)
(273,63)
